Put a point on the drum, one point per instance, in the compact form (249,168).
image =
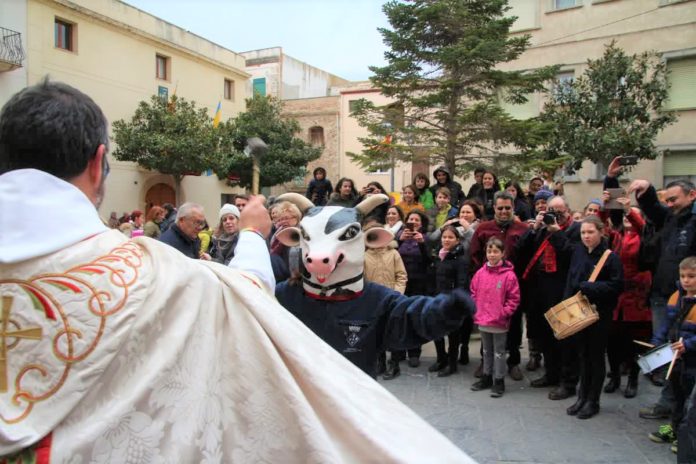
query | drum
(571,315)
(655,358)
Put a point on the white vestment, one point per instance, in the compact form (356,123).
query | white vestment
(127,351)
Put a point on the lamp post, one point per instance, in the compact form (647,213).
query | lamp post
(255,147)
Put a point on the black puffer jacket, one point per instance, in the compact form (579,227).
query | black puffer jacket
(678,240)
(453,271)
(457,196)
(605,290)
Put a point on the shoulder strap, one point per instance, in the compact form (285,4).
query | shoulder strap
(599,265)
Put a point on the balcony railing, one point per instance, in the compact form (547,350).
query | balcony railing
(11,51)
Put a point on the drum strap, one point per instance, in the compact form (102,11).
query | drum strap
(599,266)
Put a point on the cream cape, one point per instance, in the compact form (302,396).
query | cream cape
(147,356)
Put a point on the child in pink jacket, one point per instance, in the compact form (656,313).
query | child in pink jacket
(496,292)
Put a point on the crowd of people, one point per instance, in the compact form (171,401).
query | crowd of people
(518,252)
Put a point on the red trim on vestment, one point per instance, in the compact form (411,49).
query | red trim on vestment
(43,449)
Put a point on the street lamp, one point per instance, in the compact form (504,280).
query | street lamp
(255,147)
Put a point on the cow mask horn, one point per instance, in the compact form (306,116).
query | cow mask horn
(333,243)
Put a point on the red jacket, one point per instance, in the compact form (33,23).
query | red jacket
(487,229)
(633,301)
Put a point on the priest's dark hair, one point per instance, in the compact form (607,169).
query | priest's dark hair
(52,127)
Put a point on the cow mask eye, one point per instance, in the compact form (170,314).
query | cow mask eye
(350,233)
(304,234)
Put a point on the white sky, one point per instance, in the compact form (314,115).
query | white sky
(338,36)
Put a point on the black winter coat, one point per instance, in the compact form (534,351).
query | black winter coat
(605,290)
(678,240)
(453,271)
(174,237)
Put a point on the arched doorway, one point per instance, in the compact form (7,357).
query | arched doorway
(159,194)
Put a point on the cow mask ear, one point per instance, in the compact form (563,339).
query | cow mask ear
(377,237)
(289,236)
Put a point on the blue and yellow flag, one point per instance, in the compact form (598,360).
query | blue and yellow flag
(218,115)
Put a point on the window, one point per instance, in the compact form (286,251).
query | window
(529,109)
(679,165)
(64,35)
(352,105)
(564,4)
(316,136)
(682,81)
(563,82)
(229,89)
(162,67)
(526,12)
(599,170)
(259,86)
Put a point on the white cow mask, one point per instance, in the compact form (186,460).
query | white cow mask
(333,244)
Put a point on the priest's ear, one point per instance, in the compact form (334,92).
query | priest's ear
(289,236)
(98,167)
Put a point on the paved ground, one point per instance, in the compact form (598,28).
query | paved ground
(524,426)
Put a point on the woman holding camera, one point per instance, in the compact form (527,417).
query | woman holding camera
(378,214)
(413,248)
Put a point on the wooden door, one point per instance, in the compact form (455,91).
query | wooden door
(160,194)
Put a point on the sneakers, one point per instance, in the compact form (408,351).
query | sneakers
(664,434)
(393,371)
(655,412)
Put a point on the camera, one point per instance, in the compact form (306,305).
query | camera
(550,217)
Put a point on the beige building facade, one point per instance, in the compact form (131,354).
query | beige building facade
(120,55)
(569,32)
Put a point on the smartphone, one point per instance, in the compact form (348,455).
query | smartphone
(409,226)
(615,193)
(628,161)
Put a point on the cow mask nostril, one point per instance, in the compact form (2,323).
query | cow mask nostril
(340,259)
(325,260)
(309,260)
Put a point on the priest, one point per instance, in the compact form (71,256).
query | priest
(119,350)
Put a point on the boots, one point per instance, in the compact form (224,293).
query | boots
(614,382)
(534,361)
(498,388)
(589,409)
(632,386)
(575,408)
(393,370)
(485,382)
(464,356)
(437,366)
(450,369)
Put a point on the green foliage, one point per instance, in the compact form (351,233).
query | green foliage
(614,108)
(286,157)
(172,137)
(441,74)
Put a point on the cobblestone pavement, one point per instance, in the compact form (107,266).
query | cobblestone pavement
(524,426)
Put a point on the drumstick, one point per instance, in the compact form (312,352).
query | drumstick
(674,358)
(649,345)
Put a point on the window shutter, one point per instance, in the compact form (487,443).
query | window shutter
(682,81)
(681,164)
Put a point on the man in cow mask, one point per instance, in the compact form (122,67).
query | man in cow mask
(357,318)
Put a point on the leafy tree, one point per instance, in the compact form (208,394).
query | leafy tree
(172,137)
(614,108)
(442,74)
(286,157)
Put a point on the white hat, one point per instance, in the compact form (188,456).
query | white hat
(228,209)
